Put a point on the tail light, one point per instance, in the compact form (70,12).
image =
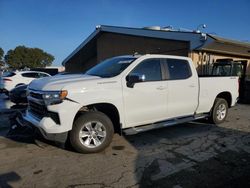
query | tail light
(7,80)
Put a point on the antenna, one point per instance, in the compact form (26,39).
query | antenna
(203,26)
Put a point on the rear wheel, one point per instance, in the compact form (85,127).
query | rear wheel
(92,132)
(219,111)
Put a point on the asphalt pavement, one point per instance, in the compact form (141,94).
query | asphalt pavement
(194,154)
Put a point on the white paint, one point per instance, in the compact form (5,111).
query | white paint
(18,78)
(142,104)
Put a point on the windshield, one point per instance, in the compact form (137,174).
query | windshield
(111,67)
(8,74)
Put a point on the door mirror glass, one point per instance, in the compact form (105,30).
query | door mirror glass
(134,78)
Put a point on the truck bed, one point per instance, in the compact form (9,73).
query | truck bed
(210,86)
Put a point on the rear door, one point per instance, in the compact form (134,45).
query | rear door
(146,102)
(182,88)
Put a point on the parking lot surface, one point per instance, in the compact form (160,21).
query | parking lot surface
(194,154)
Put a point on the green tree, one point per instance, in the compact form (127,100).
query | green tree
(1,53)
(23,56)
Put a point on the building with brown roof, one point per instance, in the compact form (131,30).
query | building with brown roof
(108,41)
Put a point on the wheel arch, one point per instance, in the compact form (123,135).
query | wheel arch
(108,109)
(227,96)
(19,84)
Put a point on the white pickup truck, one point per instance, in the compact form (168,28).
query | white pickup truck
(127,94)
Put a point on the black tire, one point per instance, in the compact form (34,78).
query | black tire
(81,123)
(215,114)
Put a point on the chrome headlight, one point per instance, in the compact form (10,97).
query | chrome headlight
(54,97)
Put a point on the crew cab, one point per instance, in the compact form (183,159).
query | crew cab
(126,94)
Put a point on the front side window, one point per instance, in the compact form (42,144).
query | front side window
(111,67)
(151,69)
(178,69)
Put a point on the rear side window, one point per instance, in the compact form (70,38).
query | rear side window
(178,69)
(30,75)
(150,68)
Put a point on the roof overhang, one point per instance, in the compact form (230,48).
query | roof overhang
(195,39)
(229,47)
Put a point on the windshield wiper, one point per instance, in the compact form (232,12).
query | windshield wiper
(94,75)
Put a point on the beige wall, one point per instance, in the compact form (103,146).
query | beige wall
(202,59)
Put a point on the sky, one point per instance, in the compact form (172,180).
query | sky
(59,26)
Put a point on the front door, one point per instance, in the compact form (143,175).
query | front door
(146,102)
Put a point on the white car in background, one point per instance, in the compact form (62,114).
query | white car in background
(10,80)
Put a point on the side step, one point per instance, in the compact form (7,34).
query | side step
(167,123)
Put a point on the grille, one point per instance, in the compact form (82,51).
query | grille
(36,95)
(38,110)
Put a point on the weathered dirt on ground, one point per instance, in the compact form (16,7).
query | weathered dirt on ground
(188,155)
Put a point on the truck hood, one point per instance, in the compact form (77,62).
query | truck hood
(58,82)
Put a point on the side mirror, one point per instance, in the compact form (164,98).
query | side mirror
(134,78)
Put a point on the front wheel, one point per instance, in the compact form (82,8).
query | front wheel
(219,111)
(92,132)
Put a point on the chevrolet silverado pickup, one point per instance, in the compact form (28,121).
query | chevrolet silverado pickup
(126,94)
